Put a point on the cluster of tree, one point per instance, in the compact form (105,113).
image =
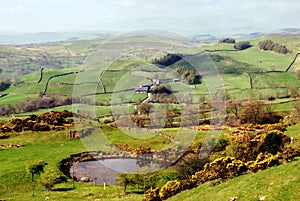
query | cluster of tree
(271,46)
(4,85)
(187,72)
(141,118)
(189,75)
(227,40)
(35,104)
(168,59)
(47,178)
(163,98)
(160,90)
(161,94)
(144,108)
(242,45)
(253,111)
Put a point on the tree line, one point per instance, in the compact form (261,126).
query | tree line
(35,104)
(186,71)
(167,60)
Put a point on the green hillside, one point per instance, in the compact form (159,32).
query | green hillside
(276,183)
(232,65)
(79,76)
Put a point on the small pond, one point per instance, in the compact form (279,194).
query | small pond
(106,169)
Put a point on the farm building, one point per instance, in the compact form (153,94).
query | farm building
(142,90)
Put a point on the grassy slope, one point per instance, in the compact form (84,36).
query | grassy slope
(279,182)
(254,60)
(276,183)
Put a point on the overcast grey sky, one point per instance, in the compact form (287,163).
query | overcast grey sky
(176,15)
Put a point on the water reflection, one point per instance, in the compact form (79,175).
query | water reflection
(105,170)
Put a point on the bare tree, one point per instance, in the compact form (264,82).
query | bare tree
(252,112)
(234,107)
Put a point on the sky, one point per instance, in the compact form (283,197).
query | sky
(183,16)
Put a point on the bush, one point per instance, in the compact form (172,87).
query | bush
(169,189)
(190,164)
(263,161)
(273,142)
(222,143)
(43,122)
(152,195)
(246,146)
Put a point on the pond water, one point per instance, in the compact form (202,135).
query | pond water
(106,169)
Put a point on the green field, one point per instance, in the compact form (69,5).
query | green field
(121,75)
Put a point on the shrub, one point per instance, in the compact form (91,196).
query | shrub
(169,189)
(190,164)
(263,161)
(247,146)
(273,142)
(152,195)
(222,143)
